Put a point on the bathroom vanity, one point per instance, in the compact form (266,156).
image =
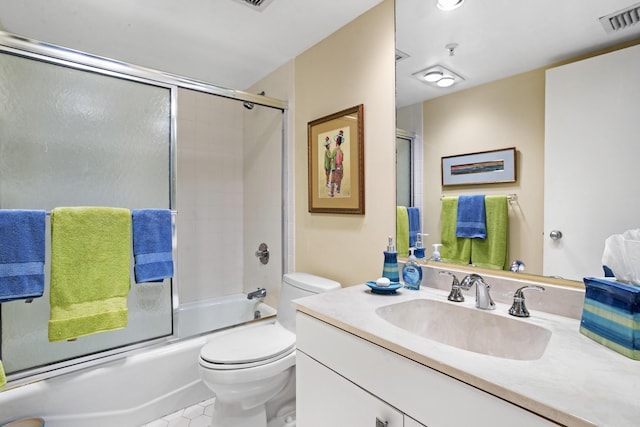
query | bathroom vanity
(373,360)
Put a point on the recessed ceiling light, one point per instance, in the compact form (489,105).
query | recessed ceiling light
(437,75)
(449,4)
(433,76)
(446,81)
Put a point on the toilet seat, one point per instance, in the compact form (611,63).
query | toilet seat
(248,347)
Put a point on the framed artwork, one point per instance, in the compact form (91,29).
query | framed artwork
(336,162)
(486,167)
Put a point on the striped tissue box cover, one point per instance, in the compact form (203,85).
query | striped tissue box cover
(611,315)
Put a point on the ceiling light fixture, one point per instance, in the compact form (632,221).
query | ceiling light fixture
(433,76)
(449,4)
(445,81)
(439,76)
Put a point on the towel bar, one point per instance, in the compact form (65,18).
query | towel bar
(173,212)
(510,197)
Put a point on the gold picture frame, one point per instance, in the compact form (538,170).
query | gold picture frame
(335,149)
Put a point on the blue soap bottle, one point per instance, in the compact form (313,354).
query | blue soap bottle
(412,273)
(390,268)
(420,249)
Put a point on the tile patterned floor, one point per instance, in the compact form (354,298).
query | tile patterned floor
(198,415)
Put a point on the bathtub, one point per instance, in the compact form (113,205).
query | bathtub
(211,315)
(141,385)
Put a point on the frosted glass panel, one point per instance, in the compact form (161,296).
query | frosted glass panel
(70,137)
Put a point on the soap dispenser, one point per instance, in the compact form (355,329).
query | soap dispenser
(435,256)
(390,268)
(412,273)
(420,250)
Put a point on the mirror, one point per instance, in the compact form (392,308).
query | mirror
(500,50)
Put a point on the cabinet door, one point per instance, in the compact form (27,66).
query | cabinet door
(324,398)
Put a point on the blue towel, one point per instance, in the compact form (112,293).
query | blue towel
(471,221)
(152,245)
(414,225)
(21,254)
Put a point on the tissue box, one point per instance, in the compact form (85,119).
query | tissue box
(611,315)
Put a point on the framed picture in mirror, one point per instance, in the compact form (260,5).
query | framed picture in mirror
(485,167)
(336,162)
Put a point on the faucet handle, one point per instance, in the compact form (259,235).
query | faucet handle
(519,309)
(455,295)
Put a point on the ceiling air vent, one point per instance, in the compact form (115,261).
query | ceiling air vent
(621,19)
(400,55)
(258,5)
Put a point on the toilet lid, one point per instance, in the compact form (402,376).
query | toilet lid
(248,345)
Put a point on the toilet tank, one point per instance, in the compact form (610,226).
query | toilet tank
(298,285)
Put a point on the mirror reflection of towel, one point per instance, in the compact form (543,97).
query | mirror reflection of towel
(456,250)
(492,252)
(471,218)
(402,231)
(414,225)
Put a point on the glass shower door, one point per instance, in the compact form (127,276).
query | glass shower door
(81,137)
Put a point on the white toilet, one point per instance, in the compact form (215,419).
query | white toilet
(249,366)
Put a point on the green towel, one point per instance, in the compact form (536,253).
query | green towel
(402,231)
(90,270)
(3,379)
(492,251)
(456,250)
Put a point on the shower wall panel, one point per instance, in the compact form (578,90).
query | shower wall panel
(209,196)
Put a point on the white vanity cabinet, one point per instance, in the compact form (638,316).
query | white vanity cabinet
(325,398)
(344,380)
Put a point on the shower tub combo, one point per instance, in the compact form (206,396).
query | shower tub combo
(143,385)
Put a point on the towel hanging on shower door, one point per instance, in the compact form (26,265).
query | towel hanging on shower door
(90,270)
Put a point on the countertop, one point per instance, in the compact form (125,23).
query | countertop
(576,382)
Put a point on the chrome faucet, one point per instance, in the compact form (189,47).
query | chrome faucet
(455,295)
(518,308)
(259,293)
(483,298)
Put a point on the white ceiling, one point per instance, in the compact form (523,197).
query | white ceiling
(232,45)
(224,42)
(496,38)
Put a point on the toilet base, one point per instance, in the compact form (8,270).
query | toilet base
(234,415)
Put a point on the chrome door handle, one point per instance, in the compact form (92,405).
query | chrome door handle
(555,234)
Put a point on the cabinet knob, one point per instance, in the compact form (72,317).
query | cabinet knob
(381,423)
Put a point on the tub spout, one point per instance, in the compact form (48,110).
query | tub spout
(259,293)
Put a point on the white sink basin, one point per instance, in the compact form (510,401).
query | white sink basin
(468,328)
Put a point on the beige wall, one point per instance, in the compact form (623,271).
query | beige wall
(353,66)
(502,114)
